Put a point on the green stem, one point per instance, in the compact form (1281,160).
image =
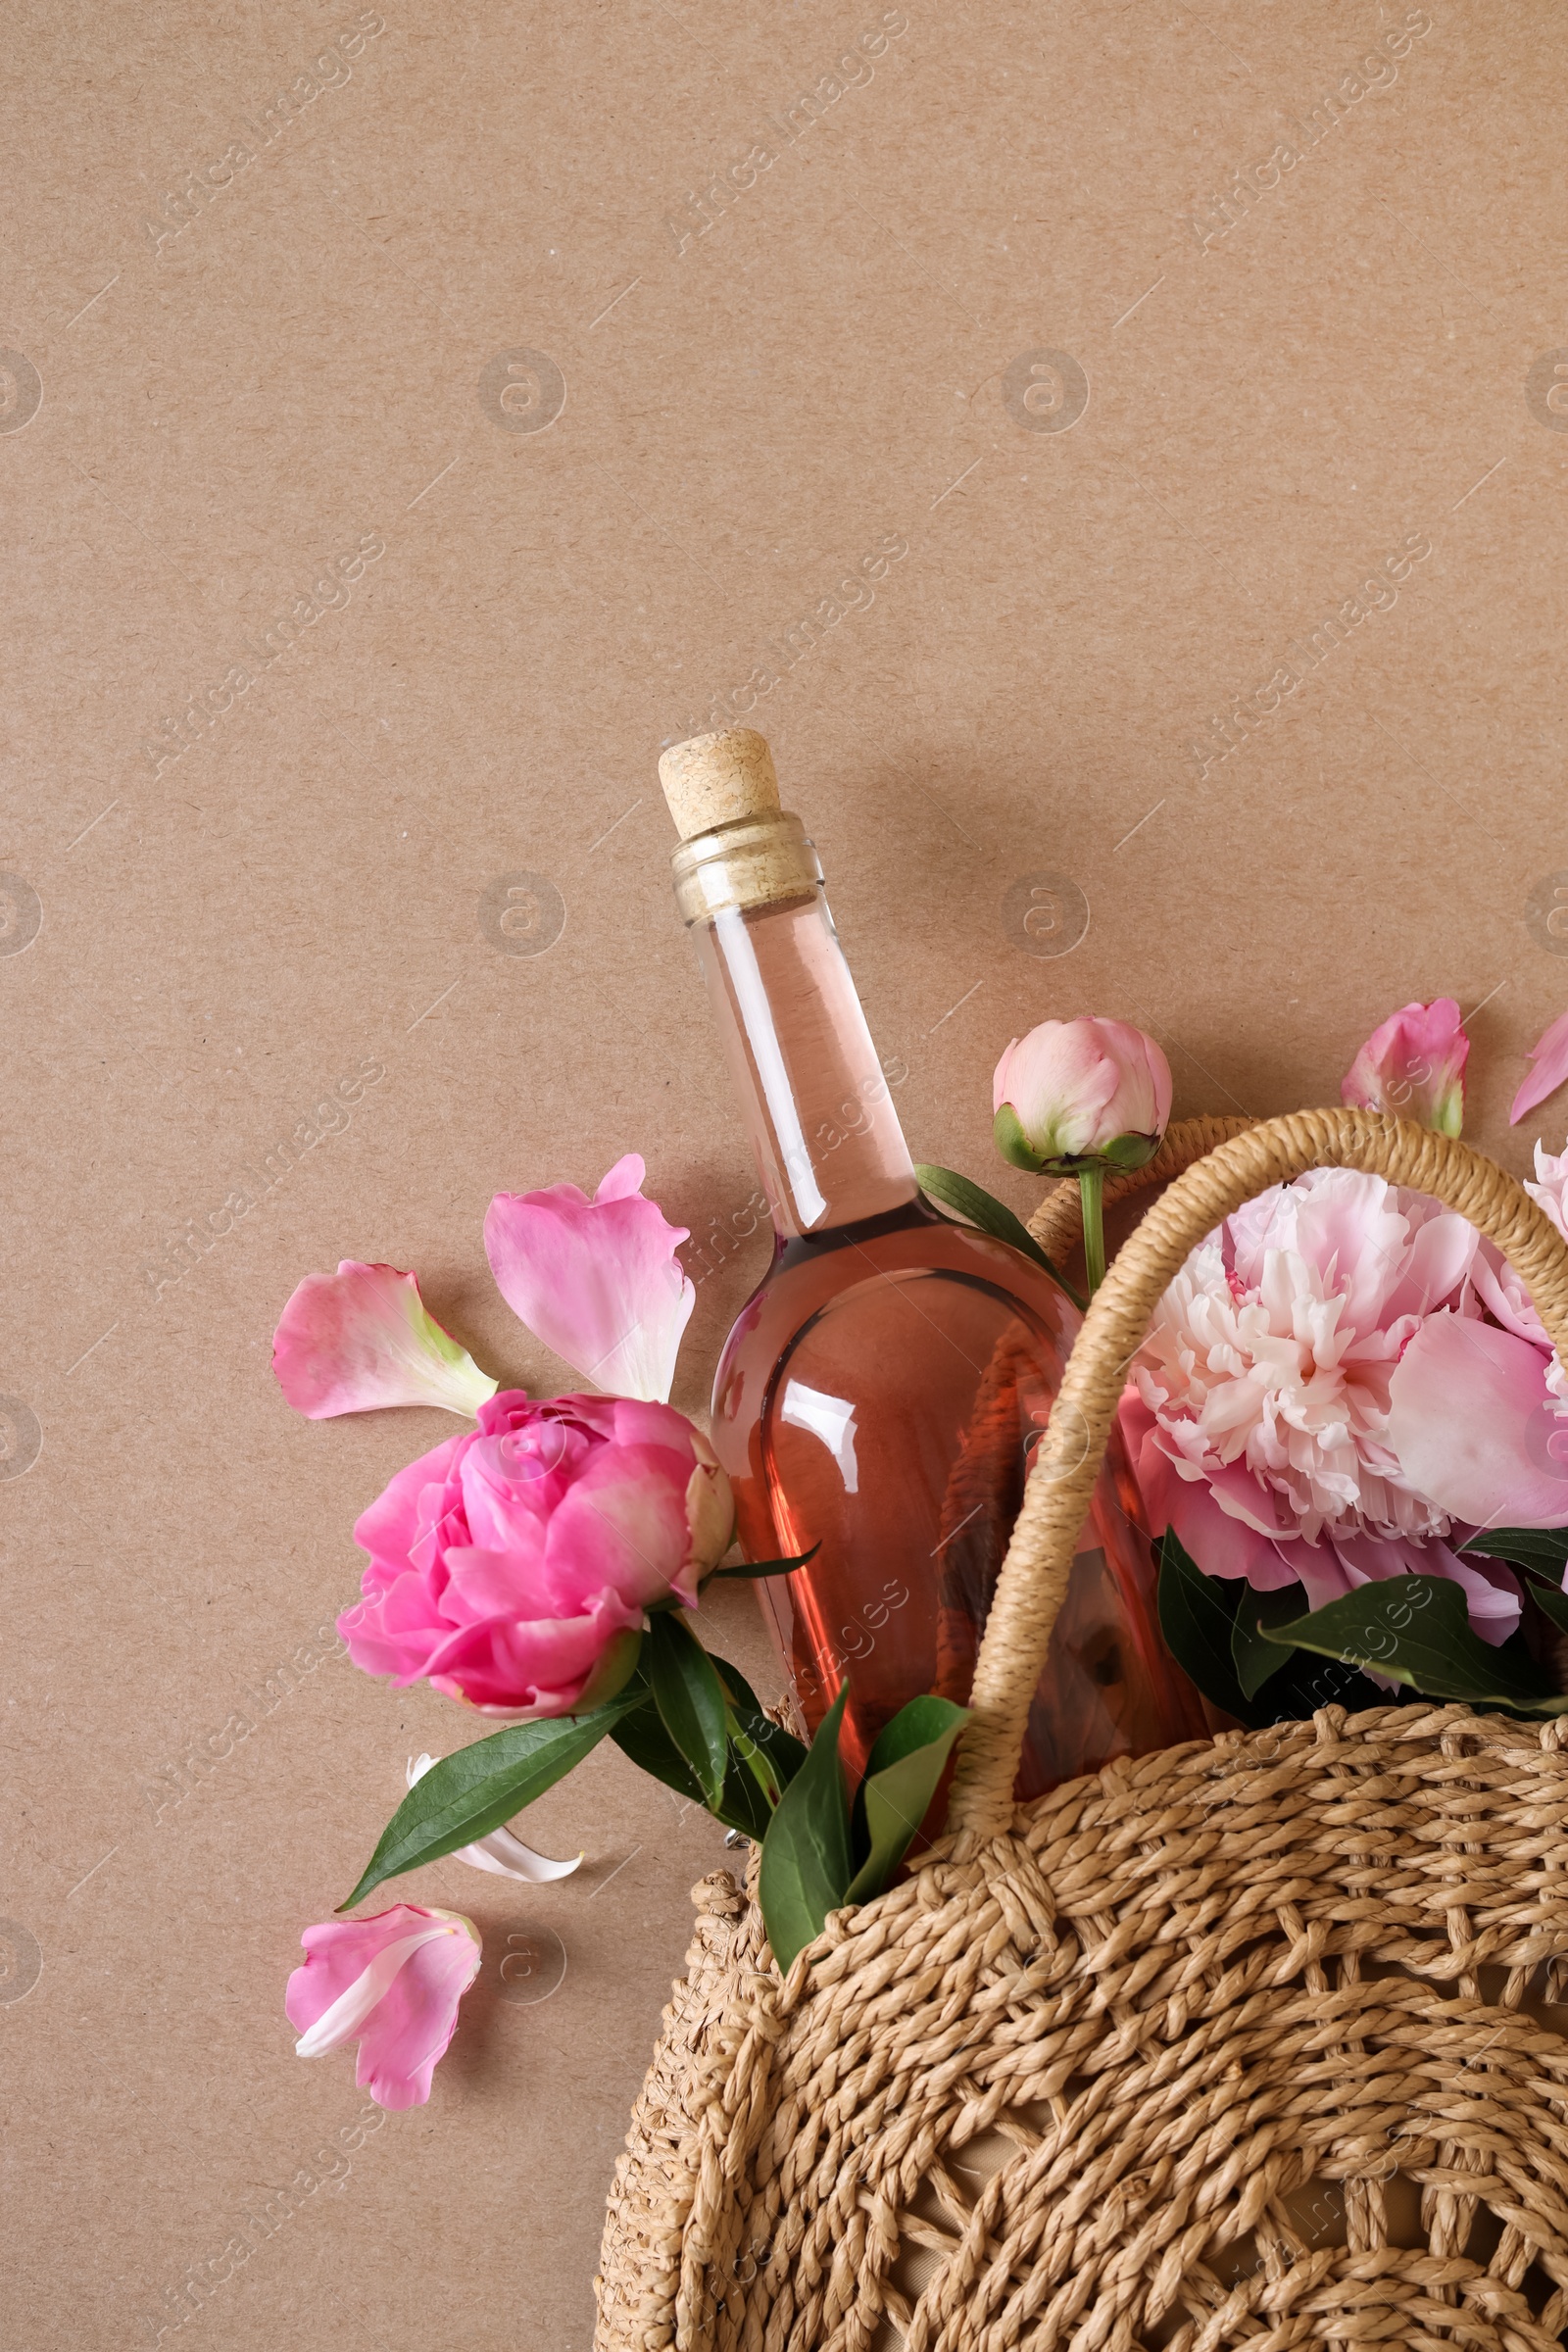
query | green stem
(1091,1186)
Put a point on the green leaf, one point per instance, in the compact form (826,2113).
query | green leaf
(479,1788)
(1549,1598)
(1543,1551)
(978,1207)
(748,1570)
(1417,1630)
(1197,1616)
(806,1867)
(641,1736)
(689,1698)
(906,1763)
(782,1749)
(1306,1683)
(1255,1657)
(746,1805)
(643,1740)
(742,1697)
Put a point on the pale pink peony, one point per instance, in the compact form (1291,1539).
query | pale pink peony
(512,1565)
(1081,1091)
(392,1983)
(1413,1066)
(360,1339)
(598,1280)
(1259,1412)
(1480,1414)
(1549,1053)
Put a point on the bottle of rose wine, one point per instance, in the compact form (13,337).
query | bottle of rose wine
(881,1390)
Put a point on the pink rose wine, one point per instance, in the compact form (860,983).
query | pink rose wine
(881,1389)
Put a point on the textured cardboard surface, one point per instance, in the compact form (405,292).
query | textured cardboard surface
(390,467)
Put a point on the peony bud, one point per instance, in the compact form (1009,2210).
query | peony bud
(1413,1066)
(1081,1093)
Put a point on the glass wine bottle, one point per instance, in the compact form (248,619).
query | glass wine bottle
(880,1393)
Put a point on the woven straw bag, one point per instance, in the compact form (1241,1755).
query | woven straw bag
(1249,2042)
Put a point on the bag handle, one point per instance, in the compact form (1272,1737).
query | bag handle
(1033,1575)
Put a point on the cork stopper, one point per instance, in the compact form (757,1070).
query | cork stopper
(717,779)
(738,849)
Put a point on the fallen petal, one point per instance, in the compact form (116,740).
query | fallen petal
(348,2013)
(1549,1053)
(506,1857)
(597,1281)
(359,1340)
(393,1983)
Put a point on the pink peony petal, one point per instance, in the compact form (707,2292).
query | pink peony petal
(1503,1294)
(393,1983)
(1551,1188)
(624,1523)
(599,1280)
(1475,1427)
(414,1502)
(1223,1545)
(537,1667)
(359,1340)
(1549,1053)
(624,1181)
(1413,1066)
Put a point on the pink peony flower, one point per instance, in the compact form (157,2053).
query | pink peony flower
(598,1280)
(1549,1053)
(1480,1414)
(1413,1066)
(1258,1414)
(512,1565)
(392,1983)
(1081,1091)
(360,1339)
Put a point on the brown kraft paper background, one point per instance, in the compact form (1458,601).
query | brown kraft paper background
(1119,457)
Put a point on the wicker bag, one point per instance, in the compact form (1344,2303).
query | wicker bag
(1249,2042)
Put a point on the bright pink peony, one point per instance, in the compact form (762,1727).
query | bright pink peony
(392,1983)
(512,1565)
(1259,1411)
(1413,1066)
(1076,1090)
(598,1280)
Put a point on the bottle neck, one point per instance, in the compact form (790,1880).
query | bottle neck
(826,1137)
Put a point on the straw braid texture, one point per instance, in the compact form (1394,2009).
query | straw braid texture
(1241,2044)
(1245,2043)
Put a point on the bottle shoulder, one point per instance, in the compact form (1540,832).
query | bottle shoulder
(922,1254)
